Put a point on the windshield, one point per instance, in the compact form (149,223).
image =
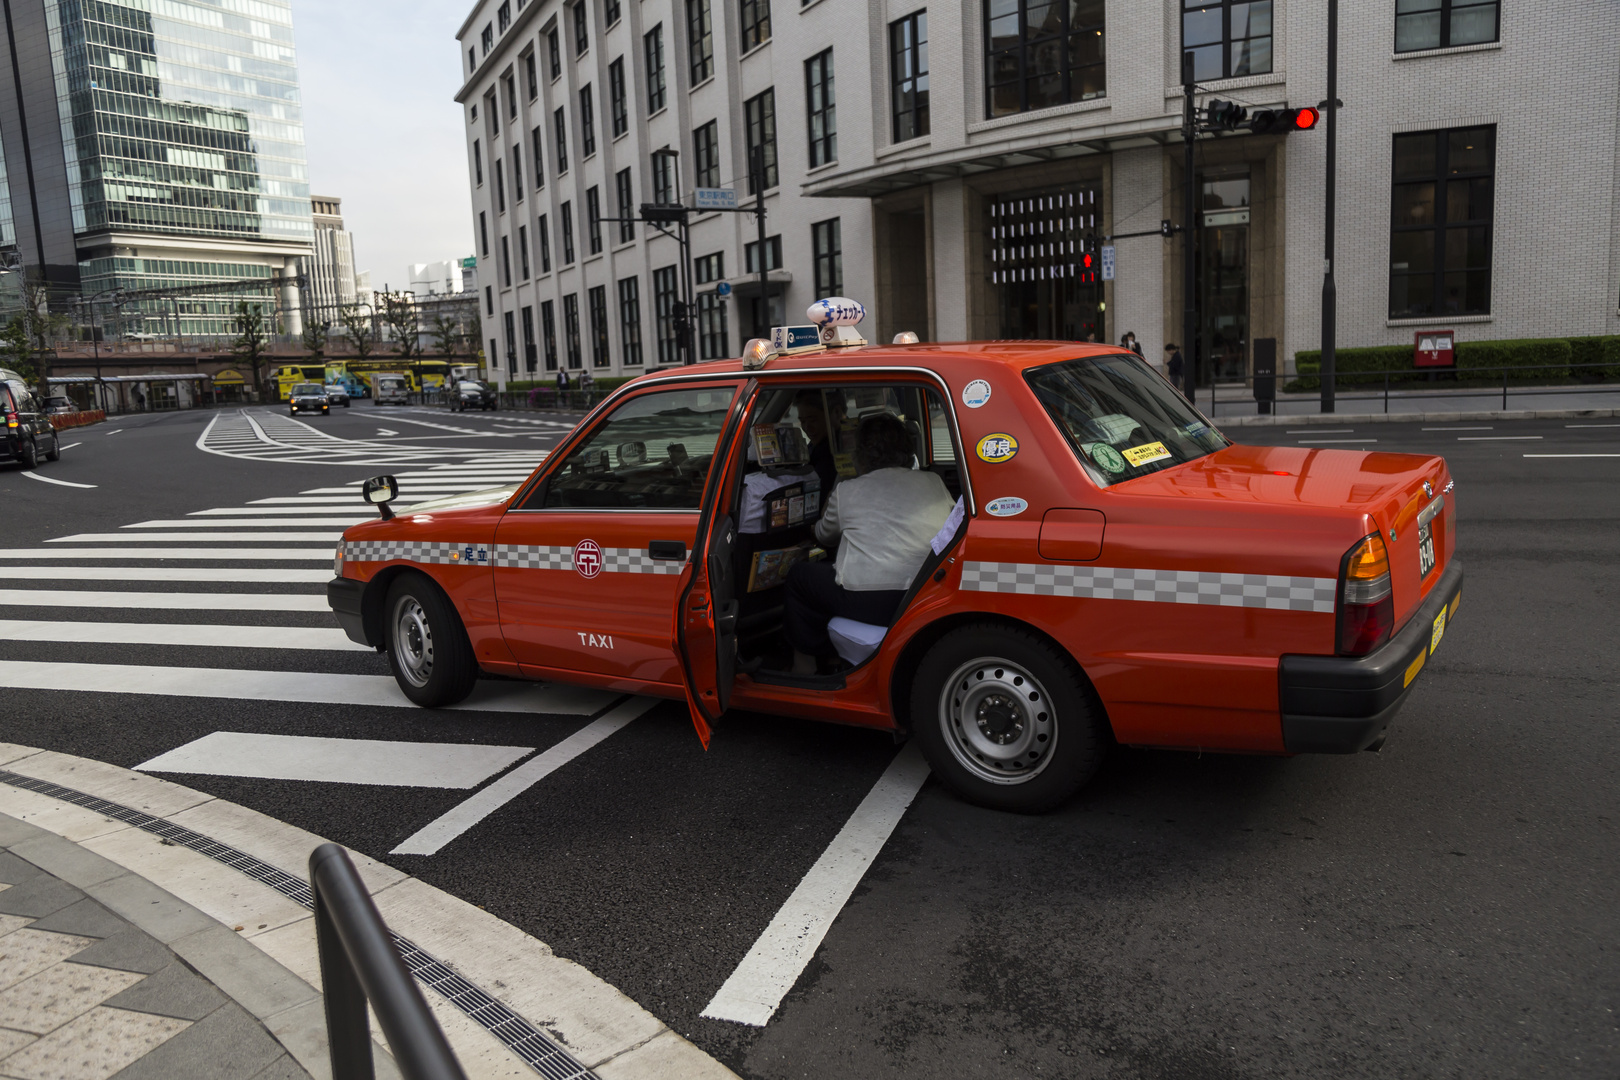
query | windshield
(1122,419)
(308,388)
(476,388)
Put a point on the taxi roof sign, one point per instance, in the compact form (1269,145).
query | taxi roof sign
(791,340)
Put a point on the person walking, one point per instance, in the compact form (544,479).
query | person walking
(1129,341)
(1176,368)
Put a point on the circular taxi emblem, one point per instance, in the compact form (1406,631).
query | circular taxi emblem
(998,447)
(975,394)
(1006,507)
(588,558)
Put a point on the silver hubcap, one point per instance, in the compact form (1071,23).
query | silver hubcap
(413,641)
(998,721)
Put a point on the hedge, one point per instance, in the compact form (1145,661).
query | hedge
(1366,366)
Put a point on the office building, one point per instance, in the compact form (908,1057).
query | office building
(157,149)
(959,167)
(447,277)
(330,271)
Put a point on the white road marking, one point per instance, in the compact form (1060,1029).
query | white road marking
(1321,431)
(1591,425)
(242,554)
(1486,428)
(49,480)
(114,431)
(249,523)
(1331,442)
(756,988)
(71,445)
(1497,438)
(191,538)
(225,511)
(321,688)
(1570,455)
(432,837)
(385,432)
(338,761)
(238,575)
(170,601)
(196,635)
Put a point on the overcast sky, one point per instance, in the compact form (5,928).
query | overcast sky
(378,81)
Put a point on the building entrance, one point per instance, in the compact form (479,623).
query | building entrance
(1222,348)
(1043,254)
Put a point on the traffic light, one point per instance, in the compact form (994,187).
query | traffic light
(1282,121)
(1224,115)
(661,213)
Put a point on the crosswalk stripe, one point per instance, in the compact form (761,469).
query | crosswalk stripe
(338,761)
(244,575)
(313,687)
(267,522)
(323,638)
(169,601)
(227,511)
(147,538)
(242,554)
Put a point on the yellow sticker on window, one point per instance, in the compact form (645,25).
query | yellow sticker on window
(1141,455)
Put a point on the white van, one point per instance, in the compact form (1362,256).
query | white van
(390,389)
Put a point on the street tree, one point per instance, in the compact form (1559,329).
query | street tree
(446,335)
(18,346)
(399,312)
(252,339)
(315,337)
(358,328)
(28,336)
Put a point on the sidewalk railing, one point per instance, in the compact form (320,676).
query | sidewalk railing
(360,964)
(1464,382)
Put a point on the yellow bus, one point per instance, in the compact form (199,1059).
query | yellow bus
(292,374)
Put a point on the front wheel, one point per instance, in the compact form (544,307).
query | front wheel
(1006,720)
(428,650)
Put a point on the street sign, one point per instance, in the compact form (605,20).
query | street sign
(470,263)
(1108,262)
(723,290)
(1434,348)
(714,198)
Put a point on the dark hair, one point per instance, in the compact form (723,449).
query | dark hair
(882,442)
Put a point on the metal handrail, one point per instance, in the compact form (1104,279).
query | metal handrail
(360,964)
(1371,378)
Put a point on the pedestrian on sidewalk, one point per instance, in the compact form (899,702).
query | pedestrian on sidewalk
(1129,341)
(1176,368)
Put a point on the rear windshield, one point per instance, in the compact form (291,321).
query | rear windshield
(1122,419)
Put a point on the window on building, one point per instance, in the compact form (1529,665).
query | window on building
(472,66)
(610,12)
(630,320)
(510,86)
(571,329)
(593,219)
(1440,24)
(492,113)
(666,291)
(531,74)
(828,249)
(759,112)
(663,177)
(587,121)
(500,188)
(706,155)
(511,343)
(908,75)
(568,232)
(548,333)
(756,23)
(543,239)
(713,338)
(517,171)
(1227,38)
(483,233)
(536,149)
(1443,208)
(653,45)
(504,16)
(523,250)
(823,108)
(554,53)
(599,327)
(699,39)
(478,163)
(582,33)
(506,264)
(627,207)
(773,254)
(487,38)
(1040,55)
(528,339)
(616,100)
(711,267)
(489,306)
(561,156)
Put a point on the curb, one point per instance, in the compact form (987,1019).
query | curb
(186,894)
(1318,419)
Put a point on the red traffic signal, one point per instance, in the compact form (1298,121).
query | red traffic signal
(1306,118)
(1282,121)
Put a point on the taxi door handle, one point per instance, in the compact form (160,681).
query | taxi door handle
(667,549)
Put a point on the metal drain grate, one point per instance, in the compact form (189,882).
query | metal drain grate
(515,1033)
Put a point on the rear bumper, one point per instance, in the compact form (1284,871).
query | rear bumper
(344,595)
(1343,704)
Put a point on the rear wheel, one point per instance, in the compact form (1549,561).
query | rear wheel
(1006,720)
(28,453)
(55,452)
(428,649)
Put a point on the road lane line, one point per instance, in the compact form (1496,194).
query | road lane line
(1497,438)
(71,445)
(1591,425)
(239,575)
(307,687)
(338,761)
(240,554)
(1570,455)
(167,601)
(192,538)
(50,480)
(1321,431)
(432,837)
(114,431)
(755,989)
(194,635)
(1328,442)
(1486,428)
(249,523)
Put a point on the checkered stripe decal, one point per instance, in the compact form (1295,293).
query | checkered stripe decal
(520,556)
(1161,586)
(435,552)
(533,557)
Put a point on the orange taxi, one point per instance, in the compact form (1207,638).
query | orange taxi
(1116,569)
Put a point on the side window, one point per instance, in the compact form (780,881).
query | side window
(23,399)
(653,453)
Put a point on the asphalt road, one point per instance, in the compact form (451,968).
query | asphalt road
(1444,908)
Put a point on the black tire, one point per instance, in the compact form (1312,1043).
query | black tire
(28,453)
(55,452)
(1006,720)
(428,650)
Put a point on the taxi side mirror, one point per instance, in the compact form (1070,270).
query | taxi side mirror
(379,491)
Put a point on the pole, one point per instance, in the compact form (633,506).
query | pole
(1329,290)
(757,172)
(1189,217)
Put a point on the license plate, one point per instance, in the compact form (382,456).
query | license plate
(1425,549)
(1438,632)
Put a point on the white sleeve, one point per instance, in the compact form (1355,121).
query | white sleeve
(828,527)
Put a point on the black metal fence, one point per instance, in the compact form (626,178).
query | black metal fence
(1435,384)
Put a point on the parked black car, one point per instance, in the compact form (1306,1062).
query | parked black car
(29,435)
(308,397)
(472,394)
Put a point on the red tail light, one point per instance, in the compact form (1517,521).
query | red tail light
(11,419)
(1366,602)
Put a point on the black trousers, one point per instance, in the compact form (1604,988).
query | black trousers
(814,598)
